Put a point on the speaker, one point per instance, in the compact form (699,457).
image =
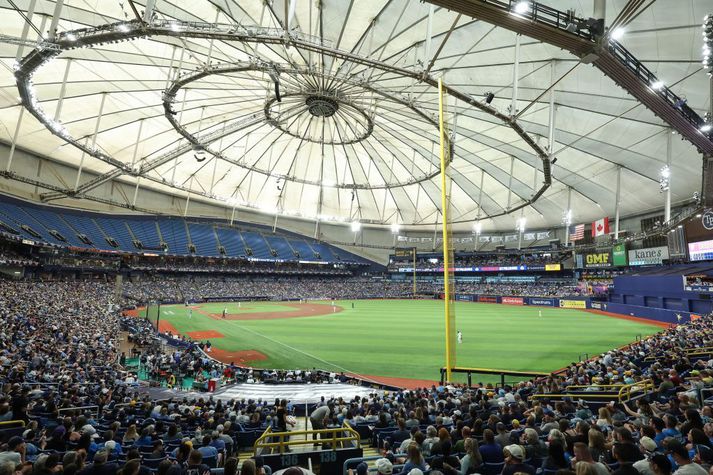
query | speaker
(707,188)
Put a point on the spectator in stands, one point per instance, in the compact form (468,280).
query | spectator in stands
(556,458)
(514,461)
(582,455)
(490,452)
(471,460)
(660,465)
(685,465)
(445,461)
(383,466)
(534,447)
(100,465)
(15,451)
(414,460)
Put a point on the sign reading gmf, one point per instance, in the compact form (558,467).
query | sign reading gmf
(599,259)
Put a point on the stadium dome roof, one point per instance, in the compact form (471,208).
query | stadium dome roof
(353,137)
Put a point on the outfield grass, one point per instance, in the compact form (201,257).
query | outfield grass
(404,338)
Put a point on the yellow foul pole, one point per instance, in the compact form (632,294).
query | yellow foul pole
(446,243)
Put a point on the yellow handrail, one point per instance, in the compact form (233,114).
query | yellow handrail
(19,423)
(623,391)
(334,439)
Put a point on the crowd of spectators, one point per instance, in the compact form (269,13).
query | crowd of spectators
(189,288)
(8,257)
(59,351)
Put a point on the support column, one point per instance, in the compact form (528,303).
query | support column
(26,29)
(512,164)
(136,192)
(569,213)
(55,19)
(551,129)
(429,34)
(515,76)
(136,145)
(669,148)
(148,11)
(232,216)
(14,140)
(616,204)
(188,197)
(94,139)
(62,90)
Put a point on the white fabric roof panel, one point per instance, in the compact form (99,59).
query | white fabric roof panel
(382,178)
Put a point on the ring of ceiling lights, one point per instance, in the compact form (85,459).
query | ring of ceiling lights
(309,103)
(125,31)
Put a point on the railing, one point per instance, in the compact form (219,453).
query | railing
(491,371)
(94,409)
(649,78)
(623,392)
(16,423)
(568,23)
(335,437)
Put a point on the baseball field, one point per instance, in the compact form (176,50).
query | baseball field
(397,340)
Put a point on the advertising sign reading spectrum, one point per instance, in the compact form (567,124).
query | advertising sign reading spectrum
(512,300)
(573,303)
(648,256)
(536,301)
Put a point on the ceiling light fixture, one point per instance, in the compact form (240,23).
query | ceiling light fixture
(521,7)
(617,34)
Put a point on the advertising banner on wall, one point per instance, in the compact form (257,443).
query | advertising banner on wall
(540,301)
(597,259)
(619,255)
(553,267)
(512,300)
(648,256)
(597,305)
(487,299)
(573,303)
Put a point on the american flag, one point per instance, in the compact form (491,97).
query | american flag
(576,232)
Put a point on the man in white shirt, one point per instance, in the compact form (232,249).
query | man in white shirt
(685,465)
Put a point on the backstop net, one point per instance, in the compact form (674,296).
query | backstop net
(446,150)
(152,313)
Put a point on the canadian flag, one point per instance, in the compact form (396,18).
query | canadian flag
(600,227)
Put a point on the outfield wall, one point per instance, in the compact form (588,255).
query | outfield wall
(659,315)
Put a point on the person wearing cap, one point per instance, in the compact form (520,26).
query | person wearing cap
(514,461)
(648,448)
(361,469)
(683,460)
(15,451)
(384,467)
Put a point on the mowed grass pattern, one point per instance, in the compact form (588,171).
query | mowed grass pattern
(404,338)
